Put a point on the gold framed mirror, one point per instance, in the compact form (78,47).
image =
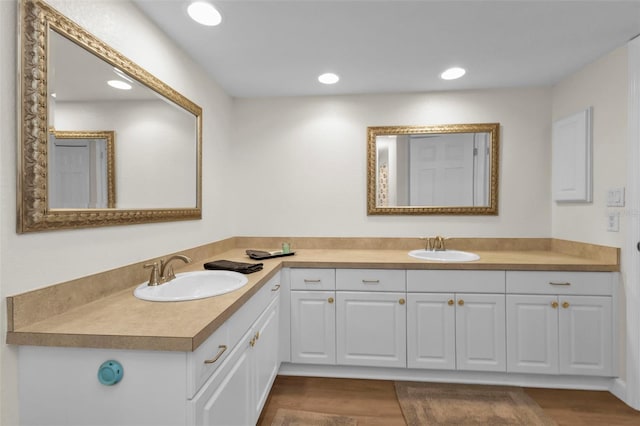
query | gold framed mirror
(158,131)
(449,169)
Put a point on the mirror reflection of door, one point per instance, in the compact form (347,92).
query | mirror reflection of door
(78,172)
(441,170)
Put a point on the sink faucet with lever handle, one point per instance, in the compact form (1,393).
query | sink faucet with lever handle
(164,273)
(435,243)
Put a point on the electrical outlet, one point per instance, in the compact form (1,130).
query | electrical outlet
(615,197)
(613,222)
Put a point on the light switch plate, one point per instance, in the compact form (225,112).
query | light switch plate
(615,197)
(613,222)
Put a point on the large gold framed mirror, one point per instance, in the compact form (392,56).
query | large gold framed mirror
(449,169)
(153,167)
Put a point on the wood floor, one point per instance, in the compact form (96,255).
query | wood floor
(373,402)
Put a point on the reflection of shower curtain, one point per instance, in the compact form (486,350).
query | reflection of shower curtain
(383,186)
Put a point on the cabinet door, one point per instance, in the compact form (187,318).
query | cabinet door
(313,327)
(265,355)
(226,399)
(586,335)
(532,334)
(480,332)
(431,334)
(371,329)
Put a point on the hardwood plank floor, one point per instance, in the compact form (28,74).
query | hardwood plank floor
(374,402)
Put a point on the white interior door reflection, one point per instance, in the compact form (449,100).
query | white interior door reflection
(78,173)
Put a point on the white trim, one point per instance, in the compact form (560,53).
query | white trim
(448,376)
(630,255)
(619,389)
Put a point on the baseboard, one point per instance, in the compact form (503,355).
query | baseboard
(467,377)
(619,389)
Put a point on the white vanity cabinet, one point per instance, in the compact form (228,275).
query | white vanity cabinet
(371,317)
(224,381)
(236,393)
(456,320)
(560,323)
(313,316)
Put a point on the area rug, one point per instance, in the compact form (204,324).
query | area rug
(453,404)
(308,418)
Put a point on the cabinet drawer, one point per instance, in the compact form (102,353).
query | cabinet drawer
(439,281)
(313,279)
(207,358)
(371,279)
(551,282)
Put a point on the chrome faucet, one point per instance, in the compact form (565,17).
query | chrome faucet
(164,273)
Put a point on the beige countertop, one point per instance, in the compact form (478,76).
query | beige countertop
(121,321)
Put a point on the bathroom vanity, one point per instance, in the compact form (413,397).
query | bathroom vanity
(534,318)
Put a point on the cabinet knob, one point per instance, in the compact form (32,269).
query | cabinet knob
(401,301)
(460,302)
(330,300)
(257,335)
(554,304)
(565,305)
(450,302)
(252,342)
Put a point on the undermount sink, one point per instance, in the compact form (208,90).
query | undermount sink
(192,286)
(444,255)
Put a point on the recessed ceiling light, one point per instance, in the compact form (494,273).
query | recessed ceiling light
(328,78)
(453,73)
(204,13)
(53,95)
(118,84)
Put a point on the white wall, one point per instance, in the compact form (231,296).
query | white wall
(300,163)
(603,85)
(37,260)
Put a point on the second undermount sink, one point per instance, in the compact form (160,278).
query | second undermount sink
(444,255)
(192,286)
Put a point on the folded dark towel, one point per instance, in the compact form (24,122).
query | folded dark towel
(229,265)
(261,254)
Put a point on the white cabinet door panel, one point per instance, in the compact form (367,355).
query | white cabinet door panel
(585,335)
(313,327)
(480,332)
(532,334)
(265,355)
(431,331)
(371,329)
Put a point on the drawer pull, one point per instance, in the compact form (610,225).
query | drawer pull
(252,342)
(276,288)
(556,283)
(565,305)
(461,302)
(554,305)
(371,281)
(312,281)
(221,350)
(330,300)
(450,302)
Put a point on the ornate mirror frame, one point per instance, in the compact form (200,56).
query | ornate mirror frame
(33,213)
(491,209)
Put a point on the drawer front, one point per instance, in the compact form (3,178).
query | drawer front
(371,279)
(550,282)
(440,281)
(313,279)
(204,361)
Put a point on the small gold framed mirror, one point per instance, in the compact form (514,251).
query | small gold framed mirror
(449,169)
